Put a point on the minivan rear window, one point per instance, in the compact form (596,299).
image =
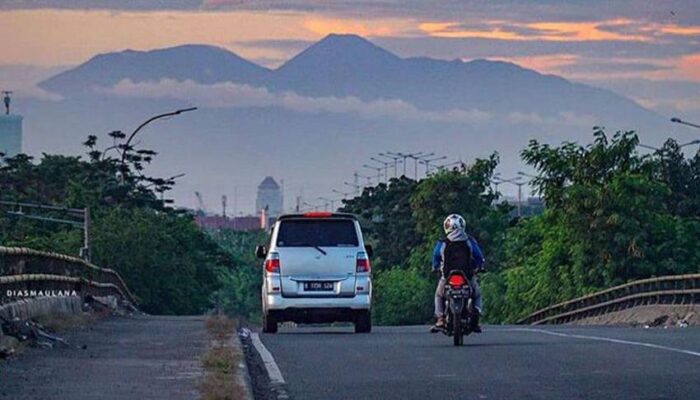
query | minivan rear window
(317,232)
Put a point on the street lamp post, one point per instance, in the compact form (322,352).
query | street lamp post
(445,166)
(396,162)
(514,181)
(378,170)
(417,157)
(680,121)
(680,146)
(328,201)
(404,157)
(344,194)
(386,168)
(427,161)
(148,121)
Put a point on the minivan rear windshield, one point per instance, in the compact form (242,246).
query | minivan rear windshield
(317,232)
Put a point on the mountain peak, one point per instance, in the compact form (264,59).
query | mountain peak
(336,50)
(202,63)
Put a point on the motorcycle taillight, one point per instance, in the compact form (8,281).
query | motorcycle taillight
(456,280)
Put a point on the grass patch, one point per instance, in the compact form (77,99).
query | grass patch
(218,386)
(222,359)
(221,379)
(221,327)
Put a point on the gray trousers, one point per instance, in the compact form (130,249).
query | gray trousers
(440,296)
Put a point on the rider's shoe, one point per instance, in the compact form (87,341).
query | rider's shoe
(439,325)
(475,324)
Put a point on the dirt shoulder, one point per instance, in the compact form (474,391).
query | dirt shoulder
(649,316)
(136,357)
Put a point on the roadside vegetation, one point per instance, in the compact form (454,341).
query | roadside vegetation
(171,265)
(613,213)
(221,379)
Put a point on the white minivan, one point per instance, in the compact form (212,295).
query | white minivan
(316,270)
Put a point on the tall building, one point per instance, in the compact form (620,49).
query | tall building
(270,198)
(10,130)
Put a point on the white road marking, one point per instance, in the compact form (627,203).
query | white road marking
(273,371)
(611,340)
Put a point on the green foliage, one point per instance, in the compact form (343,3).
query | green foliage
(612,216)
(403,220)
(387,221)
(166,260)
(239,294)
(403,297)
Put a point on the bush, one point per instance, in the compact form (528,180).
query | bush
(403,297)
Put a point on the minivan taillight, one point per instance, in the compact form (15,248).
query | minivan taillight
(362,263)
(272,264)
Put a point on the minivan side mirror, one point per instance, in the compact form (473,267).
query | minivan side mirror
(260,251)
(369,250)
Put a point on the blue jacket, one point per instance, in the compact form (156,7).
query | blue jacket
(476,253)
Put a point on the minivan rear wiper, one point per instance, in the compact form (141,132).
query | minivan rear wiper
(320,249)
(315,246)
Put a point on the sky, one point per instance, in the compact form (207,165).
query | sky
(646,50)
(633,47)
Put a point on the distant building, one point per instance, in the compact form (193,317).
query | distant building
(269,198)
(10,130)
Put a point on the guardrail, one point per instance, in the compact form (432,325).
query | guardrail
(28,271)
(675,289)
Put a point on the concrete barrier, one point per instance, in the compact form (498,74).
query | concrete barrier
(32,308)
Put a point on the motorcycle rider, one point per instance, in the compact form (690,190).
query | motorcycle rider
(457,251)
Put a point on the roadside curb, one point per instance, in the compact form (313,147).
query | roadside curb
(243,373)
(266,378)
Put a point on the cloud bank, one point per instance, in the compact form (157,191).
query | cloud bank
(233,95)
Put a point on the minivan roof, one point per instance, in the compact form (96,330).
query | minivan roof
(318,214)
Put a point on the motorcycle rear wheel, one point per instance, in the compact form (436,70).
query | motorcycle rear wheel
(457,337)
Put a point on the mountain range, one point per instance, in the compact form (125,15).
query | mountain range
(351,66)
(319,116)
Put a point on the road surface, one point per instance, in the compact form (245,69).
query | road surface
(141,357)
(505,362)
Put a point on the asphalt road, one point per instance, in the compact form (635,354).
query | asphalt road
(504,362)
(140,357)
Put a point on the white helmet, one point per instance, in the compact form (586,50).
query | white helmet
(454,222)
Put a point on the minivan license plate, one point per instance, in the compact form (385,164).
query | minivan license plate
(318,286)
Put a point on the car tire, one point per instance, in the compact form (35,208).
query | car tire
(363,322)
(269,323)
